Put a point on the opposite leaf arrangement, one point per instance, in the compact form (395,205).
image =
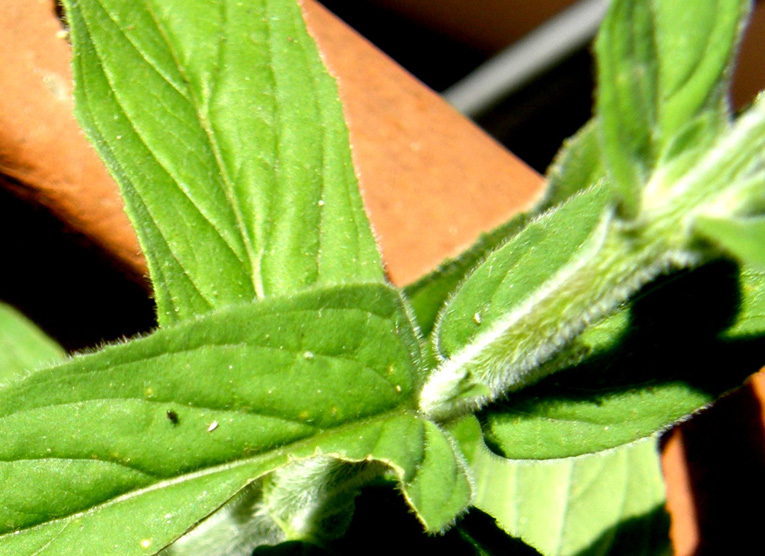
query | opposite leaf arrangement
(287,373)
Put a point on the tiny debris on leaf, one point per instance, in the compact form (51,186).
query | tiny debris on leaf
(172,416)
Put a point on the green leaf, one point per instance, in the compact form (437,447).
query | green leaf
(607,503)
(23,346)
(577,166)
(666,355)
(626,96)
(696,45)
(575,423)
(96,457)
(428,294)
(663,71)
(499,326)
(227,138)
(744,238)
(517,270)
(308,500)
(749,321)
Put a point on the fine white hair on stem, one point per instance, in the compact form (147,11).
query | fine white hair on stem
(510,353)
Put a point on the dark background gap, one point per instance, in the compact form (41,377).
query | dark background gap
(532,123)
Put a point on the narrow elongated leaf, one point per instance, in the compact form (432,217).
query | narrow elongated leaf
(663,70)
(515,272)
(577,166)
(428,294)
(603,504)
(626,96)
(503,323)
(126,449)
(23,346)
(744,238)
(227,138)
(696,44)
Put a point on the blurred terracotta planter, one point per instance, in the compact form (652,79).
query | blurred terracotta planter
(432,182)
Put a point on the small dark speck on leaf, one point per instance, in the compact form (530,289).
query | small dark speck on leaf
(172,416)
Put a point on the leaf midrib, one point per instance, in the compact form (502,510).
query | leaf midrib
(204,126)
(139,136)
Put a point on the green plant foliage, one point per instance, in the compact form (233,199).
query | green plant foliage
(749,320)
(233,158)
(494,340)
(618,391)
(23,346)
(663,71)
(286,374)
(487,329)
(577,166)
(237,416)
(606,503)
(428,294)
(742,237)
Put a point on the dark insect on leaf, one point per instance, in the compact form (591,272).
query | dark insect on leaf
(172,416)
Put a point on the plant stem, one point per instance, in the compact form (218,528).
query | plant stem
(618,259)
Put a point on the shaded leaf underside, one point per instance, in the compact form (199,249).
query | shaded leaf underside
(606,503)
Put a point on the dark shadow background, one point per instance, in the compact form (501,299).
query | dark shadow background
(531,123)
(63,282)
